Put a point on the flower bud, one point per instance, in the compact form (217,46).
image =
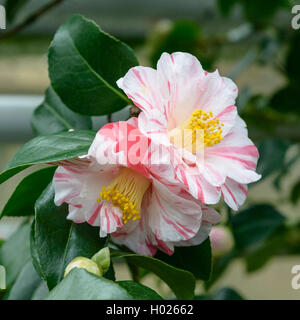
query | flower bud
(102,258)
(84,263)
(221,241)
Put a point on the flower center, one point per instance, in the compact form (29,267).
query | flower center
(200,130)
(126,191)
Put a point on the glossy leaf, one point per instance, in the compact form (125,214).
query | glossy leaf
(180,281)
(271,156)
(21,202)
(49,148)
(225,6)
(13,7)
(220,265)
(292,61)
(57,241)
(266,251)
(15,253)
(254,225)
(26,284)
(139,291)
(295,193)
(287,100)
(196,259)
(53,116)
(226,294)
(82,285)
(84,65)
(41,292)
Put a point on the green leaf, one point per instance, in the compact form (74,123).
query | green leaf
(226,294)
(271,156)
(57,241)
(196,259)
(49,148)
(286,100)
(41,292)
(292,61)
(12,7)
(15,253)
(21,202)
(26,284)
(82,285)
(225,6)
(261,12)
(219,267)
(252,226)
(181,282)
(185,36)
(295,193)
(270,248)
(286,169)
(84,65)
(34,254)
(139,291)
(53,116)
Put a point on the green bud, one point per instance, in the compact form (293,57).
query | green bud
(84,263)
(102,258)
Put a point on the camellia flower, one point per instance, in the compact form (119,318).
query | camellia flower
(115,189)
(192,115)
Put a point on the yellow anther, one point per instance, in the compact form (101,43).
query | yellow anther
(199,131)
(126,191)
(211,127)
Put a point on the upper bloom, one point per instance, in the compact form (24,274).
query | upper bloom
(114,188)
(180,99)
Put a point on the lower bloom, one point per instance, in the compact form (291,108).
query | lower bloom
(129,199)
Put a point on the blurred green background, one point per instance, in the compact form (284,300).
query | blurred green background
(252,42)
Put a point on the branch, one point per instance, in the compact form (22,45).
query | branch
(30,19)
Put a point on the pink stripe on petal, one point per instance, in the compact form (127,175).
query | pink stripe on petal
(247,163)
(119,234)
(137,74)
(94,216)
(163,246)
(250,150)
(186,236)
(107,221)
(231,194)
(186,229)
(244,190)
(226,110)
(62,175)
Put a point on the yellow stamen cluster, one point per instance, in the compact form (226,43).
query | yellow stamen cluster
(126,191)
(212,128)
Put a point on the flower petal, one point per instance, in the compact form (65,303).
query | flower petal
(179,75)
(110,218)
(135,236)
(210,217)
(234,157)
(234,193)
(171,217)
(197,185)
